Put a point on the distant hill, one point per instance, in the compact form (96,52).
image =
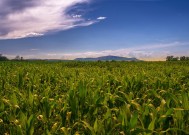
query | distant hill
(107,58)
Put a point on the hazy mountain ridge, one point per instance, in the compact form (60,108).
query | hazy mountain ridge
(107,58)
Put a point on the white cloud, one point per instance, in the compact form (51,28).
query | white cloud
(77,16)
(51,54)
(34,49)
(36,18)
(101,18)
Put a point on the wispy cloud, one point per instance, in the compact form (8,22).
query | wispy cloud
(101,18)
(21,18)
(34,49)
(163,45)
(77,16)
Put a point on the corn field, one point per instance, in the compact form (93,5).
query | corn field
(94,98)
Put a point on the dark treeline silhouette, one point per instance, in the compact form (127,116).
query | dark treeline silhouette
(182,58)
(17,58)
(3,58)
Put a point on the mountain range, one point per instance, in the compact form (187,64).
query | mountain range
(107,58)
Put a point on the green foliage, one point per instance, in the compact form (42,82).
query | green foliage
(93,98)
(172,58)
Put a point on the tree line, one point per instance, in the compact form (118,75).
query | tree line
(4,58)
(182,58)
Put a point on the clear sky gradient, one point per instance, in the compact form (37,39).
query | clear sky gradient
(59,29)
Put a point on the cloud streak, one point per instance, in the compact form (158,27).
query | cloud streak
(20,18)
(101,18)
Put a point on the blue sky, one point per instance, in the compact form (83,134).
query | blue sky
(145,29)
